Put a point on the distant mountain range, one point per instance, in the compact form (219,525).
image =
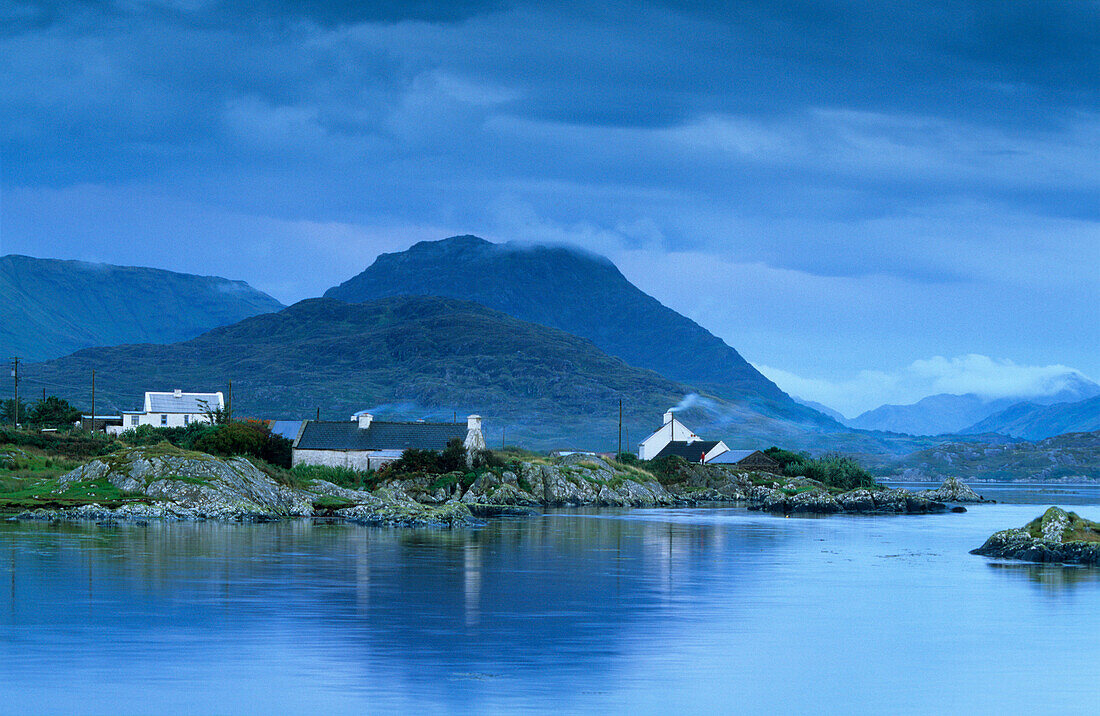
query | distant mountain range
(582,294)
(50,308)
(945,413)
(412,356)
(1032,421)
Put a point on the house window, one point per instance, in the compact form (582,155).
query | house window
(164,421)
(186,419)
(133,420)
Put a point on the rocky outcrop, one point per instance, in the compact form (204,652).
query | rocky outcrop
(952,490)
(793,497)
(585,480)
(163,482)
(1056,536)
(10,457)
(195,484)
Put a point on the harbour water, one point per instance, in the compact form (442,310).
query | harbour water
(643,611)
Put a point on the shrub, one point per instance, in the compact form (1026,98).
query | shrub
(627,458)
(786,457)
(668,468)
(453,457)
(832,471)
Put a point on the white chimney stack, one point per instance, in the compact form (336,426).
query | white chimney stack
(177,393)
(668,417)
(473,422)
(364,420)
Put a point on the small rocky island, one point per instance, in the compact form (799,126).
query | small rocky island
(166,482)
(1056,536)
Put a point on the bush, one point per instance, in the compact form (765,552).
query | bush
(249,438)
(627,458)
(431,462)
(786,457)
(832,471)
(668,468)
(53,412)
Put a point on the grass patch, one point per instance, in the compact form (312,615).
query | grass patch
(1078,530)
(328,502)
(17,494)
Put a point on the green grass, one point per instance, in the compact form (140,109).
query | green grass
(17,494)
(328,502)
(1079,529)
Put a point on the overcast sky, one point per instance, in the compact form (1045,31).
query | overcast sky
(844,191)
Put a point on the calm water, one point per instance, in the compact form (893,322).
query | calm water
(688,610)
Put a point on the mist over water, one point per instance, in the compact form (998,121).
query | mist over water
(657,610)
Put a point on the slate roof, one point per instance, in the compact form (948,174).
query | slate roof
(381,435)
(186,403)
(286,428)
(732,457)
(689,451)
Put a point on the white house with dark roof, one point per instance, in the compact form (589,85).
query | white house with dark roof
(174,409)
(673,437)
(364,443)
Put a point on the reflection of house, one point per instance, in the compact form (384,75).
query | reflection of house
(364,443)
(174,410)
(748,459)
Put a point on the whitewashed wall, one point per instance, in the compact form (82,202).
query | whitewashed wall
(353,459)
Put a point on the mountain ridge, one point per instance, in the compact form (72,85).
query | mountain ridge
(583,294)
(52,307)
(424,357)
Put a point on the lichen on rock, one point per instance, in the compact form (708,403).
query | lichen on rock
(1055,536)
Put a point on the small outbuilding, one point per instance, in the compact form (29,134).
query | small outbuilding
(747,459)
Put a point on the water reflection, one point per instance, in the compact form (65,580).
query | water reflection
(611,610)
(1051,577)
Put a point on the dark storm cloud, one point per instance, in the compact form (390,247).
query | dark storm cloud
(935,143)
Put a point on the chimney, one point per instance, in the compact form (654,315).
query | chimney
(475,440)
(668,418)
(364,420)
(177,393)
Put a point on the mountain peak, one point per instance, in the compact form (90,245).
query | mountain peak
(582,293)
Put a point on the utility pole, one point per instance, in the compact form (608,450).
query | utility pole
(93,400)
(620,451)
(15,374)
(229,404)
(502,433)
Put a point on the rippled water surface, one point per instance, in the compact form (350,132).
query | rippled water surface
(689,610)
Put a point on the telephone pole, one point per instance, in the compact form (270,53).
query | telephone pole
(620,452)
(229,404)
(93,400)
(15,375)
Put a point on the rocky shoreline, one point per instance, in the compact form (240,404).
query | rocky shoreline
(169,484)
(1057,536)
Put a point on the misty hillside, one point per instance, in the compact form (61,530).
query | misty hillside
(50,308)
(430,357)
(1031,421)
(947,413)
(584,295)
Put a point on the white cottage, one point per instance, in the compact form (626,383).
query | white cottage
(174,410)
(675,438)
(364,443)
